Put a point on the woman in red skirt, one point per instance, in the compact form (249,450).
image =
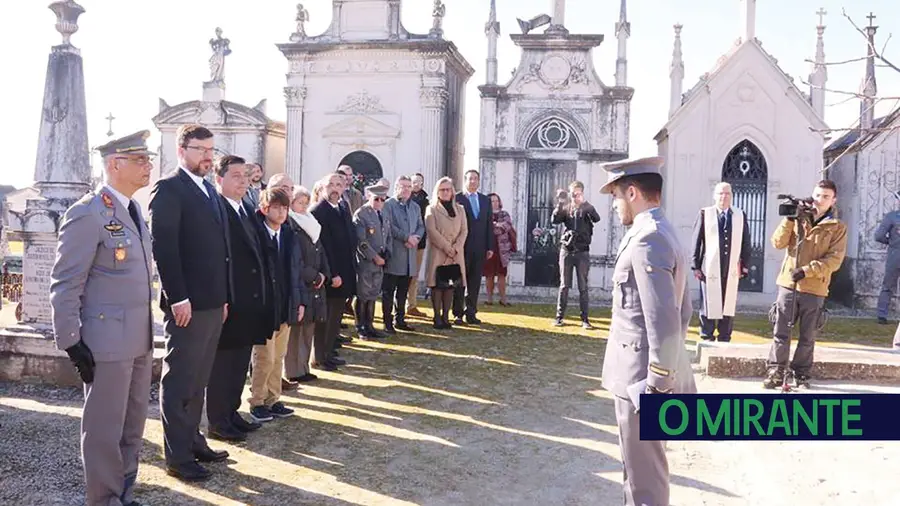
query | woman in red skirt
(503,247)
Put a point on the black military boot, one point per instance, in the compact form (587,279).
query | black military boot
(387,311)
(774,378)
(370,321)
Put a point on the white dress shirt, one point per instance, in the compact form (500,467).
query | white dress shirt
(197,179)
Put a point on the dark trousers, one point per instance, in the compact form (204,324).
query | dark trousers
(580,263)
(394,290)
(888,283)
(327,331)
(226,385)
(708,328)
(190,352)
(809,313)
(465,298)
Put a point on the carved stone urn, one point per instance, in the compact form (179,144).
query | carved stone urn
(67,13)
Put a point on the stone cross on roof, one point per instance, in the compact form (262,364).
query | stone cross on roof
(110,118)
(821,12)
(871,18)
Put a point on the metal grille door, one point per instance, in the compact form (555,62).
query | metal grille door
(545,177)
(745,169)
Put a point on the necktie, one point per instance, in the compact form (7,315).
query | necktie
(135,217)
(473,200)
(210,192)
(380,218)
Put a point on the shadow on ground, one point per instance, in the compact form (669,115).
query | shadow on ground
(496,414)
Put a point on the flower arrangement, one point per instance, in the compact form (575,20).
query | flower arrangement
(359,182)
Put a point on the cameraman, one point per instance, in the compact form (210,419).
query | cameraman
(578,217)
(820,254)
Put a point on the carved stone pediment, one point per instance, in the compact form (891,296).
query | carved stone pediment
(361,102)
(360,127)
(553,72)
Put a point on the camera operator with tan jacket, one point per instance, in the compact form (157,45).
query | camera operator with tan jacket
(805,273)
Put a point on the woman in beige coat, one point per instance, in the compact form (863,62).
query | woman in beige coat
(446,228)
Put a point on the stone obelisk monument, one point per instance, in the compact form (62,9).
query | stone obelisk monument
(62,172)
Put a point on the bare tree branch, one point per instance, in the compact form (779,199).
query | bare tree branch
(858,140)
(831,63)
(832,130)
(875,52)
(841,102)
(886,43)
(841,92)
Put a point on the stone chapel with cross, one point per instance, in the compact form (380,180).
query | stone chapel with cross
(745,122)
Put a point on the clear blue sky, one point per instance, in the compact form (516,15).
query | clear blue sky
(136,52)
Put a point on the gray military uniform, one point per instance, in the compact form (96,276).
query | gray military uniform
(374,237)
(100,294)
(888,233)
(650,317)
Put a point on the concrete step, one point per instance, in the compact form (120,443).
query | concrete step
(731,360)
(32,357)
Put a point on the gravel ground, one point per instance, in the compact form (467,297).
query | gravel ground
(478,418)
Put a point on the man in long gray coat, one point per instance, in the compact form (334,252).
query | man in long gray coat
(373,233)
(888,233)
(100,296)
(651,311)
(407,229)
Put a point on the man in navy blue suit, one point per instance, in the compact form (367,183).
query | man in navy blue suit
(478,247)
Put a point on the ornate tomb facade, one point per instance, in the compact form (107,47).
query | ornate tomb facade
(372,95)
(553,122)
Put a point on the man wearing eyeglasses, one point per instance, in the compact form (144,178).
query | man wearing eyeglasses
(101,299)
(373,234)
(191,246)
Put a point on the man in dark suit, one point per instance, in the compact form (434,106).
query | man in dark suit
(248,323)
(478,247)
(191,248)
(340,247)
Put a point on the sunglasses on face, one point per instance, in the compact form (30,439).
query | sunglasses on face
(380,199)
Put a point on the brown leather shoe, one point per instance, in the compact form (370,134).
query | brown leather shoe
(288,385)
(415,312)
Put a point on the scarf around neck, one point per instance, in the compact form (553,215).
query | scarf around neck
(309,224)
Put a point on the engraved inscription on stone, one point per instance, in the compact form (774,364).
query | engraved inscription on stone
(37,265)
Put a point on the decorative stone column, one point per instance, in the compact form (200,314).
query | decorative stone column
(434,101)
(294,97)
(62,171)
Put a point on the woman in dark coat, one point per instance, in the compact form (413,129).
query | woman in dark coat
(313,275)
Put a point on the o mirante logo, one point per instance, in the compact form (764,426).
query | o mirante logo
(766,416)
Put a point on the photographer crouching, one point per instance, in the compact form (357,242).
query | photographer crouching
(816,243)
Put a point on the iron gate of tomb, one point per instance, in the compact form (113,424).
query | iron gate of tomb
(745,169)
(366,168)
(545,177)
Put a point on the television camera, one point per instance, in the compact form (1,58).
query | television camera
(792,207)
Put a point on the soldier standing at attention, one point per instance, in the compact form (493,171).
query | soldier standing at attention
(651,311)
(888,233)
(373,232)
(100,296)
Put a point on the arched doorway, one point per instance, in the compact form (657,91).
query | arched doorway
(551,166)
(746,170)
(365,166)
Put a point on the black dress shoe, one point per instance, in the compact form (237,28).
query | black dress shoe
(229,433)
(459,321)
(337,361)
(471,320)
(209,455)
(345,339)
(389,328)
(190,471)
(243,425)
(402,325)
(307,377)
(327,366)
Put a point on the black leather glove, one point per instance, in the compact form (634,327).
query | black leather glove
(81,356)
(797,274)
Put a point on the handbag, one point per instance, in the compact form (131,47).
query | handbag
(448,276)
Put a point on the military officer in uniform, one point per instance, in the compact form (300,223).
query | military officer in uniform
(373,232)
(651,311)
(888,233)
(101,300)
